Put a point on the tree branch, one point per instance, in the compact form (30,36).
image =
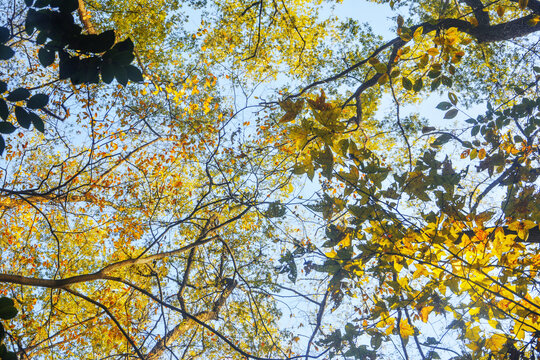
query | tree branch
(84,16)
(188,323)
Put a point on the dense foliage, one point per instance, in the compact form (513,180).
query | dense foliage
(275,182)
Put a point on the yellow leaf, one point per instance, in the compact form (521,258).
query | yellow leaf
(418,32)
(331,254)
(474,311)
(534,20)
(433,51)
(522,228)
(500,10)
(496,342)
(482,154)
(346,242)
(405,329)
(424,313)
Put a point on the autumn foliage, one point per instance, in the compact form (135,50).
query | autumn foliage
(273,182)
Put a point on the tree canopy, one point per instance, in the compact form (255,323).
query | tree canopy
(266,180)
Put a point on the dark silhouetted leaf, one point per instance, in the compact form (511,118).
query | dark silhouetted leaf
(42,3)
(37,101)
(18,94)
(7,313)
(126,45)
(37,122)
(134,74)
(4,110)
(46,57)
(123,58)
(4,35)
(6,52)
(6,127)
(107,72)
(68,6)
(121,75)
(22,117)
(6,302)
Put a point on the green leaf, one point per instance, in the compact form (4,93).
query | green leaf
(6,52)
(435,84)
(22,117)
(46,57)
(434,74)
(7,127)
(275,210)
(4,110)
(445,105)
(18,94)
(407,84)
(418,85)
(475,130)
(450,114)
(446,81)
(134,74)
(4,35)
(37,101)
(376,341)
(441,140)
(2,145)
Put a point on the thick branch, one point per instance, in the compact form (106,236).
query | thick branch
(104,273)
(478,10)
(84,16)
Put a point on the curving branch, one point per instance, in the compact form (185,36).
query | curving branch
(105,272)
